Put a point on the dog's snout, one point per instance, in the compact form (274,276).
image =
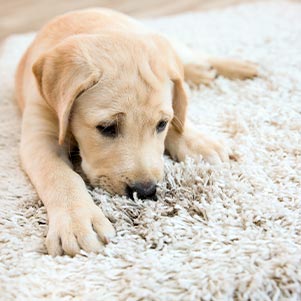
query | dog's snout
(144,190)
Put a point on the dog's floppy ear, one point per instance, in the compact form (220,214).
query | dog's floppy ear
(180,98)
(179,105)
(63,73)
(175,70)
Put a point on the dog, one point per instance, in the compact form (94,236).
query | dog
(101,81)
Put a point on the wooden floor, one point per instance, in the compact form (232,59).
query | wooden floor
(17,16)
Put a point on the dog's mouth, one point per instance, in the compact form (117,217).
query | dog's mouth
(142,190)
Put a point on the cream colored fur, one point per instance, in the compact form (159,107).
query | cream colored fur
(94,67)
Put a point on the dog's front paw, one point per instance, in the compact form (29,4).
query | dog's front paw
(195,144)
(212,151)
(79,227)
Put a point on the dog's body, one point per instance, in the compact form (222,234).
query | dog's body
(100,80)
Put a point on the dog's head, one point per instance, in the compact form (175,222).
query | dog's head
(118,95)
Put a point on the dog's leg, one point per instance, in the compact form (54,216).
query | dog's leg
(197,69)
(192,143)
(75,222)
(233,68)
(203,69)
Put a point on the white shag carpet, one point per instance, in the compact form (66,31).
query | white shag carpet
(229,232)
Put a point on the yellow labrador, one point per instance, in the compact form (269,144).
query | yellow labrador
(101,81)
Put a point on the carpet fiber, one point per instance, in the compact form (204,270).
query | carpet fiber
(228,232)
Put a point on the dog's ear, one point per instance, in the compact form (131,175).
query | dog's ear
(180,98)
(179,104)
(175,71)
(63,73)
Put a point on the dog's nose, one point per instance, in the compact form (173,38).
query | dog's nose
(144,190)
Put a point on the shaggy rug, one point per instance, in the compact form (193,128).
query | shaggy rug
(227,232)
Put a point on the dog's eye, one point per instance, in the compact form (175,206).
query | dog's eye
(110,130)
(161,126)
